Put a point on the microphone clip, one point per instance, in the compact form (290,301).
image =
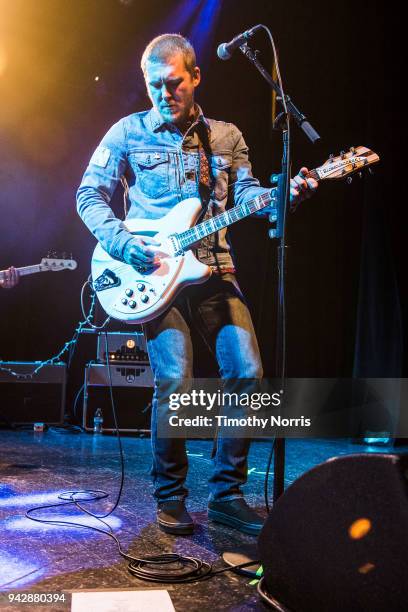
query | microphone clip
(225,50)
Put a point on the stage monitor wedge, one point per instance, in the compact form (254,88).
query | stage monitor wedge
(337,539)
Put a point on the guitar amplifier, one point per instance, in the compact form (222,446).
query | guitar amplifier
(122,347)
(123,375)
(132,391)
(37,398)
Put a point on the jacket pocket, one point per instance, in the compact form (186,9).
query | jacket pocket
(152,172)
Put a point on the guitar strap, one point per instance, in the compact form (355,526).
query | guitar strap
(205,188)
(206,180)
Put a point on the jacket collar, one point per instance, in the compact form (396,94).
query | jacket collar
(157,122)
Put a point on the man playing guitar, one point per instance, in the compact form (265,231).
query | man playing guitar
(167,154)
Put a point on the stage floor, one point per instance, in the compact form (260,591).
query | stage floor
(37,467)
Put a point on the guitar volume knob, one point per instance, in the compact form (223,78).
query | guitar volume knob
(132,304)
(141,286)
(145,298)
(129,292)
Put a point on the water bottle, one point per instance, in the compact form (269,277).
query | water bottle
(98,421)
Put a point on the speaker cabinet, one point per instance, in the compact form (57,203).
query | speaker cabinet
(37,398)
(337,539)
(132,387)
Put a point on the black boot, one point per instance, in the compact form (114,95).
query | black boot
(172,517)
(237,514)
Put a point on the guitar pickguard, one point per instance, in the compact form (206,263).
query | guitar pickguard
(107,280)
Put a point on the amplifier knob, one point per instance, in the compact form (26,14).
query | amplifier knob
(129,292)
(141,286)
(132,304)
(124,301)
(144,298)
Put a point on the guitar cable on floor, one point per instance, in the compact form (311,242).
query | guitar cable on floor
(165,568)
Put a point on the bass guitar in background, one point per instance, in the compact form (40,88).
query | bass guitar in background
(10,277)
(130,295)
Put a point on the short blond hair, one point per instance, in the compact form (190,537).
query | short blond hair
(166,45)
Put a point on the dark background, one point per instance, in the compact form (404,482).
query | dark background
(346,288)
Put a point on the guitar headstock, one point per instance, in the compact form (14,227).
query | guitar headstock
(347,163)
(53,263)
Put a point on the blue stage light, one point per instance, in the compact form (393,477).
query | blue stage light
(22,523)
(383,441)
(16,572)
(195,19)
(13,500)
(202,30)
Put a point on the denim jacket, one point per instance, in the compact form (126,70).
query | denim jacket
(161,168)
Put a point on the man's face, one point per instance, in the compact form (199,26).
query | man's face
(171,88)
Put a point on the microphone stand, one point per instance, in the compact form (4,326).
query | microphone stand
(282,122)
(283,179)
(294,112)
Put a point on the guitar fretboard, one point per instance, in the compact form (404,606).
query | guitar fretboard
(238,212)
(214,224)
(23,271)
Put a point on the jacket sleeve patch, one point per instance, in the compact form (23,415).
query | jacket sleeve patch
(101,157)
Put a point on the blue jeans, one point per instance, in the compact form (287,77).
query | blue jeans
(217,310)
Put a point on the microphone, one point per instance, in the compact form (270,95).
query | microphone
(225,50)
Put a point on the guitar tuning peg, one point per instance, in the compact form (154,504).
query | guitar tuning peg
(360,175)
(349,180)
(371,171)
(331,157)
(352,150)
(342,154)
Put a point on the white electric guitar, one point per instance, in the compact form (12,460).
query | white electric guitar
(135,297)
(48,264)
